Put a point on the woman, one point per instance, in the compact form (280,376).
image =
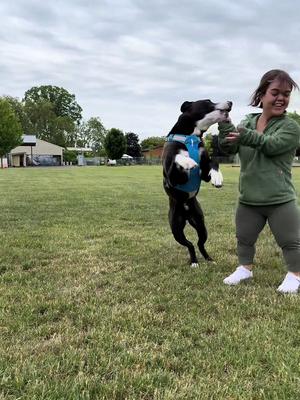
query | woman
(266,143)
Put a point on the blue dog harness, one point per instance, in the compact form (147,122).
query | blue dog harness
(192,144)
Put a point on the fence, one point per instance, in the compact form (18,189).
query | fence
(123,161)
(145,161)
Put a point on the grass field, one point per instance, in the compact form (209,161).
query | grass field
(98,302)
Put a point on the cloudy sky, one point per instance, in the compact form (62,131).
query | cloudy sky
(133,62)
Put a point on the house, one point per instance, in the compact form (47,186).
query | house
(155,152)
(35,151)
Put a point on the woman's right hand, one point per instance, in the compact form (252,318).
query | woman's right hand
(232,137)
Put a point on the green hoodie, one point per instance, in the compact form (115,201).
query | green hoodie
(266,159)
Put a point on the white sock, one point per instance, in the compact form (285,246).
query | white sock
(290,284)
(240,274)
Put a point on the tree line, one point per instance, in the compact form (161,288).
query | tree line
(52,114)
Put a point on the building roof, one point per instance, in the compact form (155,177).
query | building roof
(41,148)
(160,146)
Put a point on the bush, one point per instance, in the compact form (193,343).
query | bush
(70,156)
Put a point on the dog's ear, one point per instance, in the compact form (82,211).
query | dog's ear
(185,106)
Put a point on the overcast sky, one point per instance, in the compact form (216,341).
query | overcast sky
(133,62)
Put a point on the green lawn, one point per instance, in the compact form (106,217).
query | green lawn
(98,302)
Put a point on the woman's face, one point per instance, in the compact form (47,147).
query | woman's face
(276,99)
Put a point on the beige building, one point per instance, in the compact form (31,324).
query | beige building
(36,152)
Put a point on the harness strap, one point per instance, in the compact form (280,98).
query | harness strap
(192,144)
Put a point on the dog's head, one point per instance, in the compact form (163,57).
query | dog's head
(199,115)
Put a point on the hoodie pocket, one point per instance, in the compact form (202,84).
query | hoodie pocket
(263,187)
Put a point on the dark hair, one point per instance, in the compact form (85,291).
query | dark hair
(269,77)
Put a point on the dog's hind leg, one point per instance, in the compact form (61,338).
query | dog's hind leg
(177,221)
(196,219)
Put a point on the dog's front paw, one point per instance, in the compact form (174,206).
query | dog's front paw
(216,178)
(185,162)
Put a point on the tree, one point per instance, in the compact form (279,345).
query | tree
(115,144)
(133,146)
(296,117)
(70,156)
(152,142)
(97,134)
(81,135)
(208,143)
(10,129)
(46,125)
(19,110)
(91,134)
(211,144)
(64,103)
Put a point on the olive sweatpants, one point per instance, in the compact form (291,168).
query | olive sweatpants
(284,222)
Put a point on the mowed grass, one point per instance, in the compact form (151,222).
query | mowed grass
(98,302)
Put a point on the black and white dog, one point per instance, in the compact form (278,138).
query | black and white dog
(185,164)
